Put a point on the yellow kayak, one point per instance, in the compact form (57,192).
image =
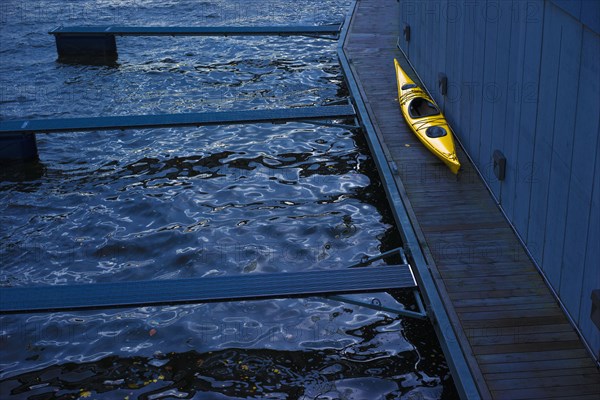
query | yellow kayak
(426,120)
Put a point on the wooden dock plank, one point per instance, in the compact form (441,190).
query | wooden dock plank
(551,373)
(498,284)
(518,342)
(505,304)
(546,393)
(539,356)
(522,348)
(583,361)
(450,271)
(518,331)
(547,382)
(521,338)
(494,294)
(521,281)
(483,272)
(510,322)
(535,304)
(497,315)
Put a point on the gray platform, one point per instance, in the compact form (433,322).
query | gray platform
(173,120)
(197,290)
(196,30)
(97,44)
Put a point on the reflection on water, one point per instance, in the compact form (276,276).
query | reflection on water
(344,359)
(235,373)
(221,200)
(189,202)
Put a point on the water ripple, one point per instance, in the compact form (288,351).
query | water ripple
(191,202)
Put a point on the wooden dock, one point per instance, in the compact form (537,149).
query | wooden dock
(516,339)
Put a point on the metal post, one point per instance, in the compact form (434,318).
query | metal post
(87,47)
(18,146)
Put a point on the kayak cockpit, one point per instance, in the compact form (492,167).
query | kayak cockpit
(435,132)
(421,107)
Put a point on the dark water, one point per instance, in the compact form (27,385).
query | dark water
(189,202)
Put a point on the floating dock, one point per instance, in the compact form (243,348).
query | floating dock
(514,336)
(18,142)
(76,42)
(209,289)
(276,116)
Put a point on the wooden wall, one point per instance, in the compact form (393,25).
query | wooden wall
(524,78)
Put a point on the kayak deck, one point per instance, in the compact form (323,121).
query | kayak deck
(426,120)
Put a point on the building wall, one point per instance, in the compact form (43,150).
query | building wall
(524,78)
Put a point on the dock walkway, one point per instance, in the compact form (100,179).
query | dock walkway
(517,341)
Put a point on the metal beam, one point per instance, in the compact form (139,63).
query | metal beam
(422,314)
(333,29)
(210,289)
(174,120)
